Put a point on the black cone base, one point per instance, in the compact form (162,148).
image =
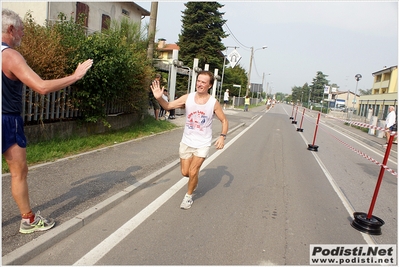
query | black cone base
(370,226)
(299,129)
(291,118)
(312,147)
(293,122)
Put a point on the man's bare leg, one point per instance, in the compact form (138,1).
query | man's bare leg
(16,160)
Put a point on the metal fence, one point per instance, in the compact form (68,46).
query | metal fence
(379,108)
(59,105)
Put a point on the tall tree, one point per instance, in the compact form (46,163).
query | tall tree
(365,92)
(202,34)
(318,87)
(235,76)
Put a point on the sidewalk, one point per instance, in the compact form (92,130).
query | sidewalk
(360,135)
(78,189)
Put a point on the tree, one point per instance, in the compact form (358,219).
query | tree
(201,37)
(317,87)
(202,34)
(235,76)
(296,93)
(365,92)
(279,96)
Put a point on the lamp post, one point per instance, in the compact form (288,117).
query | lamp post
(263,80)
(250,66)
(357,77)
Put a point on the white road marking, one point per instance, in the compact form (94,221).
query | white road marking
(336,188)
(116,237)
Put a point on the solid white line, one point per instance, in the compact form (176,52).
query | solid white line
(336,188)
(116,237)
(111,241)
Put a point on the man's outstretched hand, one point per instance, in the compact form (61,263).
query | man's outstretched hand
(156,89)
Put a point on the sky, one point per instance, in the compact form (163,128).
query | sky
(340,39)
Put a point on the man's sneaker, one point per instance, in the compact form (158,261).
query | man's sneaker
(187,202)
(39,224)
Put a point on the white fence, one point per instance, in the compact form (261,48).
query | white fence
(58,106)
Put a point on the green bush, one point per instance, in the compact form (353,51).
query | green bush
(120,70)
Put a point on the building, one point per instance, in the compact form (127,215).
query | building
(97,14)
(384,93)
(342,99)
(165,51)
(164,58)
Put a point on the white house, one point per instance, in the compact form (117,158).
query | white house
(97,13)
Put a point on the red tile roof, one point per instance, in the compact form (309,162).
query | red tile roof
(169,47)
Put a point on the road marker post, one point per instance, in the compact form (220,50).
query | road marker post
(294,121)
(312,146)
(300,126)
(368,223)
(292,113)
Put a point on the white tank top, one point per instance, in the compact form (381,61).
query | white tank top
(198,129)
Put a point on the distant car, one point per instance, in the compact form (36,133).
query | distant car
(350,110)
(341,109)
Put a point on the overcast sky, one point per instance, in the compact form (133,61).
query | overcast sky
(341,39)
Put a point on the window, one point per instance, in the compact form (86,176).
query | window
(387,76)
(125,12)
(82,13)
(105,22)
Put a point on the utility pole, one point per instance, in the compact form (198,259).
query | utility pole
(249,71)
(151,29)
(250,67)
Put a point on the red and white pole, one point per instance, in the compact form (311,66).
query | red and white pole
(300,126)
(313,146)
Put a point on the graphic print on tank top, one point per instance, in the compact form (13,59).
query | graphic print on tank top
(197,120)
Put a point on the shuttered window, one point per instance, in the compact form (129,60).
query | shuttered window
(105,22)
(82,10)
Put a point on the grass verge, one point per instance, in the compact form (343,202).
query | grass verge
(60,148)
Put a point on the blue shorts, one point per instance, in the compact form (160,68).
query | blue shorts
(12,132)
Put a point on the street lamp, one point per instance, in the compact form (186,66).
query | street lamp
(250,66)
(263,80)
(357,77)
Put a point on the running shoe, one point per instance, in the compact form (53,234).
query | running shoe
(39,224)
(186,203)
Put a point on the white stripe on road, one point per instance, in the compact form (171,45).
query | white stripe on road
(116,237)
(337,190)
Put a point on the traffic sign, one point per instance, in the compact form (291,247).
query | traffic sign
(233,58)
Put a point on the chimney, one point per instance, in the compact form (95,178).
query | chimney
(161,43)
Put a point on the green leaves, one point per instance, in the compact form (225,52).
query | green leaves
(120,66)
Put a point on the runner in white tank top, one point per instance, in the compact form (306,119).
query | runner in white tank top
(198,128)
(197,137)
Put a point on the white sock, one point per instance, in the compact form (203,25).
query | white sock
(189,196)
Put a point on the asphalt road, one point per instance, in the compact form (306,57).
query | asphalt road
(263,200)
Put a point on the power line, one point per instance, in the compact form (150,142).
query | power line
(235,37)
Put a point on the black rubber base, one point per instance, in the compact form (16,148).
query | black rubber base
(299,129)
(291,118)
(370,226)
(293,122)
(312,147)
